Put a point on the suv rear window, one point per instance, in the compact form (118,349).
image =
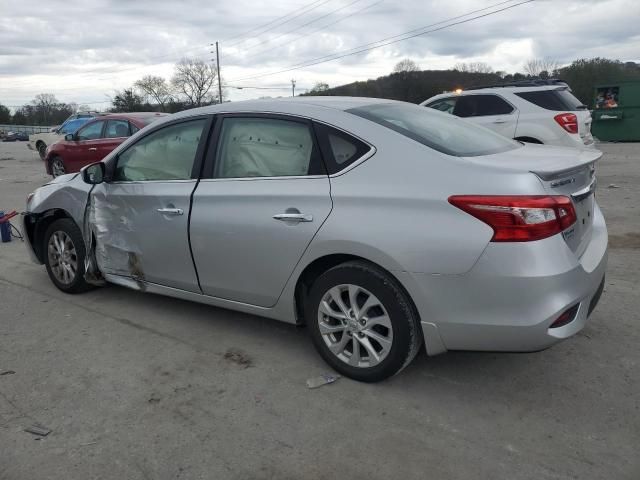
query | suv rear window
(557,100)
(440,131)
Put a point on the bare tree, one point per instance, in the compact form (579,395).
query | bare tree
(537,66)
(194,79)
(473,67)
(406,65)
(156,88)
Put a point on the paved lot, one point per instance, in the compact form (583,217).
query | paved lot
(137,386)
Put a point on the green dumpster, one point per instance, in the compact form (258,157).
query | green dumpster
(616,113)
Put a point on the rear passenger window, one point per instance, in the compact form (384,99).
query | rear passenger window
(339,149)
(117,129)
(481,106)
(265,147)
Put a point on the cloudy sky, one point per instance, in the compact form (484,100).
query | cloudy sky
(82,51)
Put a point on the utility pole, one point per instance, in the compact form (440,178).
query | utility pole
(293,87)
(218,68)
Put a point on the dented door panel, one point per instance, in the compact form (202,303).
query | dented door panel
(140,234)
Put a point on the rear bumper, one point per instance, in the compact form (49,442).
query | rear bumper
(513,294)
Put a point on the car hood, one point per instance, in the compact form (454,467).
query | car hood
(62,179)
(546,161)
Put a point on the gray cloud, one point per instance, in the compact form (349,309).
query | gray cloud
(88,48)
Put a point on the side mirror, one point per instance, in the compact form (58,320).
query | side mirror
(93,174)
(69,137)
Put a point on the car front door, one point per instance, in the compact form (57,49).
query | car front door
(490,111)
(140,217)
(265,196)
(82,150)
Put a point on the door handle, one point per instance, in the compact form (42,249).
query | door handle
(499,120)
(171,211)
(293,217)
(93,149)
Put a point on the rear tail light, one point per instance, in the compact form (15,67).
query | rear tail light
(567,317)
(568,121)
(516,218)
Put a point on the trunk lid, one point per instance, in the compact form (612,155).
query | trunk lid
(562,171)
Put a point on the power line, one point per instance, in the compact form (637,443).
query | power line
(304,12)
(268,23)
(269,40)
(405,35)
(308,34)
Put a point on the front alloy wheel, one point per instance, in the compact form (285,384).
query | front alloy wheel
(64,254)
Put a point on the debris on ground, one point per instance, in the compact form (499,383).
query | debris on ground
(238,357)
(326,379)
(154,399)
(6,372)
(613,185)
(38,429)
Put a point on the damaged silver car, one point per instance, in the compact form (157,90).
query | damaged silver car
(382,226)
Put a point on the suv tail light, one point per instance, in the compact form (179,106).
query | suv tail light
(519,218)
(568,121)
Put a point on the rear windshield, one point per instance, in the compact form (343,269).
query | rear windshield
(559,100)
(442,132)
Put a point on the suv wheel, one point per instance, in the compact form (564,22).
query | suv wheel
(42,149)
(361,322)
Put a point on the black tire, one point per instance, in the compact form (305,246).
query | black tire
(407,335)
(69,227)
(42,148)
(52,166)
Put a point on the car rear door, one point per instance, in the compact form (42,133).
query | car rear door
(490,111)
(140,217)
(115,132)
(264,196)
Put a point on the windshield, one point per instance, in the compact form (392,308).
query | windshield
(442,132)
(72,126)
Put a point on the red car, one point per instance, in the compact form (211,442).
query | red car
(94,141)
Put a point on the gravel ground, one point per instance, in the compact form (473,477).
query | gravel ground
(136,386)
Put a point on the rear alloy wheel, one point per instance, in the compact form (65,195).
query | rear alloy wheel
(57,167)
(42,150)
(362,323)
(64,254)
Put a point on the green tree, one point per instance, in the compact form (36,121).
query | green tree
(127,101)
(5,114)
(319,88)
(584,74)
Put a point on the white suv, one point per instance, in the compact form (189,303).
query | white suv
(531,111)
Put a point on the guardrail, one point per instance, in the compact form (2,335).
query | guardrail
(25,128)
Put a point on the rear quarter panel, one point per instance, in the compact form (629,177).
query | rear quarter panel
(393,208)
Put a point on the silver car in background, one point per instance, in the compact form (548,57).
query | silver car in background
(383,226)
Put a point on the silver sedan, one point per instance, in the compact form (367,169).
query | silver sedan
(380,225)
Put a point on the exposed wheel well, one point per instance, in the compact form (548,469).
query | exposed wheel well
(38,226)
(528,140)
(321,265)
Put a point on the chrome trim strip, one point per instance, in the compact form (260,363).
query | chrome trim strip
(585,192)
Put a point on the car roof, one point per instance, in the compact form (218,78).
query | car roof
(292,105)
(496,91)
(131,115)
